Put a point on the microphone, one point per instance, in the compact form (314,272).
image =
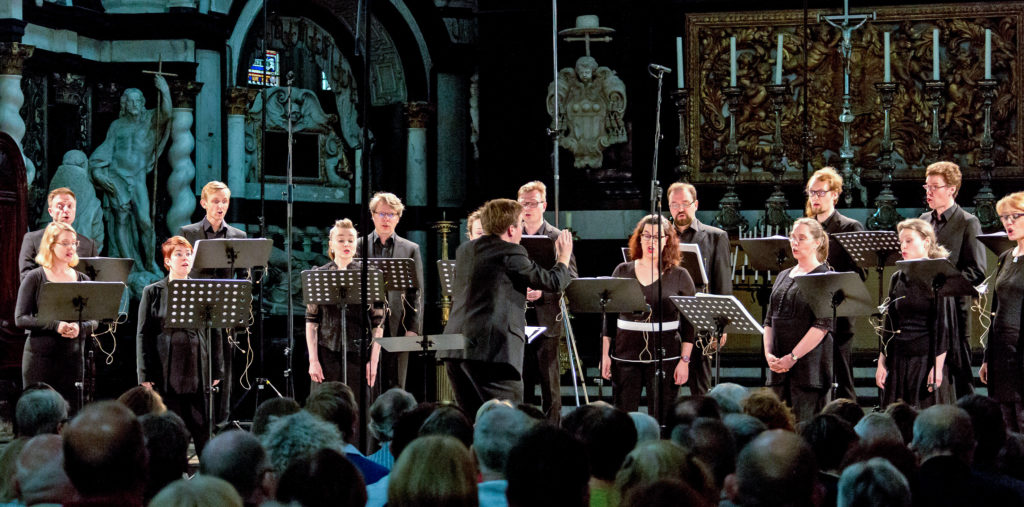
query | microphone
(660,68)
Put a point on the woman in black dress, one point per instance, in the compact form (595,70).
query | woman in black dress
(632,365)
(1002,369)
(53,351)
(905,370)
(798,346)
(174,361)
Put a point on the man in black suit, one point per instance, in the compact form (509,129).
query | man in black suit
(492,274)
(823,190)
(60,204)
(957,230)
(541,361)
(215,199)
(714,248)
(406,306)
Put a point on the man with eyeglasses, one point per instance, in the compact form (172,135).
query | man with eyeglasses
(406,306)
(60,204)
(714,248)
(823,191)
(957,230)
(541,361)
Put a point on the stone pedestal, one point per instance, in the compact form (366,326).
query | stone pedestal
(418,114)
(179,155)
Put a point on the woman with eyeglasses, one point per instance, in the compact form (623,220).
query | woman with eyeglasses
(630,362)
(1002,369)
(905,370)
(798,346)
(53,351)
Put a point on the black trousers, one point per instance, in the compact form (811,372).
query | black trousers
(700,373)
(960,370)
(475,382)
(192,409)
(393,369)
(629,380)
(540,365)
(806,402)
(842,364)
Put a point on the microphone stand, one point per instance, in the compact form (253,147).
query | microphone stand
(289,386)
(658,72)
(362,50)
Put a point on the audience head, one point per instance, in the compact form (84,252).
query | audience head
(298,435)
(899,455)
(710,441)
(665,493)
(776,469)
(494,435)
(744,428)
(875,482)
(39,412)
(653,461)
(385,411)
(335,403)
(324,479)
(167,443)
(845,409)
(903,414)
(142,400)
(729,396)
(548,468)
(608,434)
(199,491)
(878,426)
(648,225)
(647,427)
(237,457)
(829,437)
(433,471)
(943,430)
(685,410)
(271,409)
(989,427)
(765,405)
(490,404)
(39,472)
(407,428)
(449,420)
(104,441)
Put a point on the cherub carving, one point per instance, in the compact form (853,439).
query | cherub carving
(592,101)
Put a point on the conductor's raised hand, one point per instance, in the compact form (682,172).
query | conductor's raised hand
(563,245)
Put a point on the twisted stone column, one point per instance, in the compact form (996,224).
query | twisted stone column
(12,60)
(183,171)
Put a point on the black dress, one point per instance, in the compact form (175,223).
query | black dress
(1003,351)
(633,360)
(805,385)
(48,356)
(911,321)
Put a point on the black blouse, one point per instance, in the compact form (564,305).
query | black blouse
(790,317)
(638,345)
(328,319)
(43,334)
(910,320)
(1003,351)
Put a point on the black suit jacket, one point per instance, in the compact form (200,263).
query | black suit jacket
(714,248)
(547,305)
(195,232)
(489,299)
(30,247)
(407,315)
(960,237)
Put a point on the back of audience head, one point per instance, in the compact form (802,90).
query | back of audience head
(407,428)
(167,443)
(874,482)
(647,427)
(40,411)
(449,420)
(765,405)
(845,409)
(776,469)
(943,430)
(237,457)
(685,410)
(494,436)
(878,426)
(433,471)
(296,436)
(199,491)
(710,441)
(104,441)
(830,437)
(989,427)
(385,411)
(142,400)
(903,414)
(665,493)
(608,435)
(269,409)
(490,404)
(652,461)
(1011,457)
(39,472)
(729,396)
(324,479)
(548,468)
(744,428)
(897,454)
(335,403)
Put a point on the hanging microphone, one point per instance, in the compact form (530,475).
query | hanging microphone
(660,68)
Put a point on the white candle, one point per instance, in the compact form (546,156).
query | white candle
(888,74)
(935,54)
(732,61)
(778,61)
(988,53)
(568,220)
(679,62)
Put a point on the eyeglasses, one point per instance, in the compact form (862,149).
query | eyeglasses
(799,239)
(817,193)
(676,206)
(69,245)
(931,189)
(650,237)
(1010,217)
(530,204)
(386,216)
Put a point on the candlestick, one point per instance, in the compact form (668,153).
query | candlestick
(732,61)
(778,62)
(888,75)
(988,53)
(679,62)
(935,54)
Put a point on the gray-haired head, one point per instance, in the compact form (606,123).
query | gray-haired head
(943,430)
(237,457)
(39,472)
(494,436)
(729,396)
(873,482)
(744,428)
(40,411)
(385,411)
(299,435)
(647,427)
(876,427)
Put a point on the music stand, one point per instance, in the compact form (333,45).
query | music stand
(105,269)
(693,262)
(997,242)
(540,249)
(625,254)
(847,296)
(426,344)
(208,304)
(446,271)
(943,280)
(79,302)
(340,287)
(717,315)
(399,273)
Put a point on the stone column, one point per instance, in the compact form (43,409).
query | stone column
(183,171)
(12,60)
(239,100)
(418,113)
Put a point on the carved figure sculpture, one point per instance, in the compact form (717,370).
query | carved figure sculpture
(73,173)
(592,100)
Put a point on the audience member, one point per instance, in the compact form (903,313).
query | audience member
(710,441)
(433,471)
(298,435)
(685,410)
(878,426)
(845,409)
(665,493)
(776,469)
(830,437)
(491,403)
(903,414)
(324,479)
(744,428)
(990,435)
(494,436)
(608,435)
(653,461)
(143,400)
(105,455)
(449,420)
(199,491)
(269,409)
(39,476)
(237,457)
(1011,458)
(384,413)
(647,427)
(167,442)
(406,429)
(335,403)
(897,454)
(548,468)
(729,396)
(765,405)
(40,411)
(871,483)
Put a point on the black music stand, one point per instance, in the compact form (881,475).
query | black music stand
(399,273)
(717,315)
(79,302)
(943,280)
(105,269)
(693,263)
(997,242)
(771,254)
(425,345)
(208,304)
(625,254)
(835,295)
(446,270)
(340,287)
(540,249)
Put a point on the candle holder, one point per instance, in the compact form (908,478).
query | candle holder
(729,217)
(846,149)
(776,206)
(933,91)
(444,228)
(885,217)
(681,98)
(985,201)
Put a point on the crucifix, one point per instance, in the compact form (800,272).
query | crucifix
(156,147)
